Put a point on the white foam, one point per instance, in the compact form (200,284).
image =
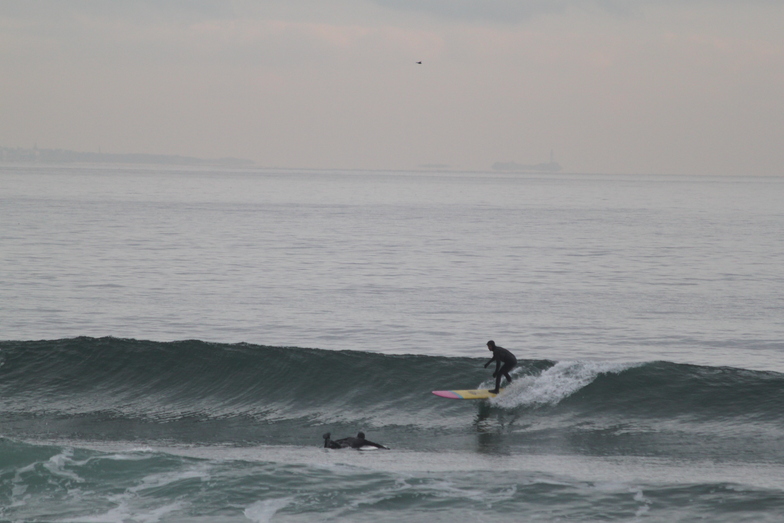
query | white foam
(131,506)
(18,491)
(154,481)
(645,502)
(125,512)
(123,457)
(554,384)
(262,511)
(489,496)
(56,465)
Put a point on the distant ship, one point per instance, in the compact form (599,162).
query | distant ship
(550,167)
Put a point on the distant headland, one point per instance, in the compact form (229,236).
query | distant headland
(550,167)
(36,155)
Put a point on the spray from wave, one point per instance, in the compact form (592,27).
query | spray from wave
(555,383)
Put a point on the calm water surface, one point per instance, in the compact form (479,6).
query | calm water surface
(683,269)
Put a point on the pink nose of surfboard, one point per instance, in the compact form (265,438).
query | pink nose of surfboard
(468,394)
(447,394)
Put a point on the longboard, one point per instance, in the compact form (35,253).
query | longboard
(473,394)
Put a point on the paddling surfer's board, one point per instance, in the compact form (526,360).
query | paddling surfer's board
(473,394)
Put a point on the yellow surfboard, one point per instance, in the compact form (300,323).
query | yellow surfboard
(472,394)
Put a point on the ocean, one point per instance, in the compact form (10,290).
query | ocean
(174,342)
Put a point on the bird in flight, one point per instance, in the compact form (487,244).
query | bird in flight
(420,63)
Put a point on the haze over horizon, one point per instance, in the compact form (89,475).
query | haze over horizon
(642,86)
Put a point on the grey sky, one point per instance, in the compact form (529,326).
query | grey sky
(691,87)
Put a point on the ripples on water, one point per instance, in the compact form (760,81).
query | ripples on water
(617,268)
(604,286)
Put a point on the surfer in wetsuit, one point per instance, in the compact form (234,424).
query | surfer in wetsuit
(350,442)
(500,355)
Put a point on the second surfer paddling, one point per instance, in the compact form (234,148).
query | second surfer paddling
(500,355)
(350,442)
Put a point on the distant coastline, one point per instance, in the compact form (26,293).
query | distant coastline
(550,167)
(55,156)
(546,167)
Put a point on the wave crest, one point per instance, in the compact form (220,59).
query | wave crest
(555,383)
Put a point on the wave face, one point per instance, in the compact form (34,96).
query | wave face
(187,392)
(125,430)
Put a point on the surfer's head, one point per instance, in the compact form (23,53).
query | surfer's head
(361,435)
(490,345)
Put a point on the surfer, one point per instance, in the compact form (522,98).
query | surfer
(500,355)
(350,442)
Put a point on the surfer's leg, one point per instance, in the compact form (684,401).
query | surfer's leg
(506,369)
(497,383)
(328,443)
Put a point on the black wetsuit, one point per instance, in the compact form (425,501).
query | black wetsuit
(350,442)
(501,355)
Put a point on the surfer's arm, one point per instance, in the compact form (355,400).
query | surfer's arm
(491,361)
(378,446)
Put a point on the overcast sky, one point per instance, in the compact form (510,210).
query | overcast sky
(611,86)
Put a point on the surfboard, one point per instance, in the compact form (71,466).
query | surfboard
(473,394)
